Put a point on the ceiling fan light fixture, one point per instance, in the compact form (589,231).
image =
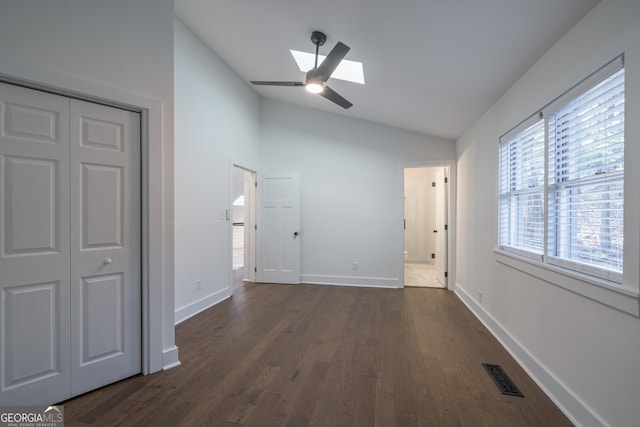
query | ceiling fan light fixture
(314,87)
(313,83)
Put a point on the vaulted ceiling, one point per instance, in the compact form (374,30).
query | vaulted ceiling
(430,66)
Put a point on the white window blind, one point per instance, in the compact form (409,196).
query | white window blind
(586,180)
(521,191)
(561,179)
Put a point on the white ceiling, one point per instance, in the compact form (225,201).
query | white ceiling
(431,66)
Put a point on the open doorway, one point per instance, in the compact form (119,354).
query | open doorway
(425,226)
(243,218)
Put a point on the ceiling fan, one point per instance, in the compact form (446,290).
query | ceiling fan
(318,75)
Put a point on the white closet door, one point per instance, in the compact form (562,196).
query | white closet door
(70,279)
(105,245)
(34,246)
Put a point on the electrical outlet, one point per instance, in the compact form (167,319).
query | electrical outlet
(198,284)
(354,265)
(480,297)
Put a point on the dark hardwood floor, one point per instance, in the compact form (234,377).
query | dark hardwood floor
(298,355)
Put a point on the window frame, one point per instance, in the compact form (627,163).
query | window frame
(609,288)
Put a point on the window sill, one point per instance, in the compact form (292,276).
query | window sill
(608,293)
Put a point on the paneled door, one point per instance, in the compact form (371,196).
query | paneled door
(279,228)
(105,245)
(34,246)
(69,246)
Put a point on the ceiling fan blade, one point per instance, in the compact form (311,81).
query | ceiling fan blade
(332,60)
(333,96)
(267,83)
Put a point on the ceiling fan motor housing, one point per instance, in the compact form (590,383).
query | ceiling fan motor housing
(313,74)
(313,81)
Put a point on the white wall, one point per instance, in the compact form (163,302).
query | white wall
(121,51)
(217,118)
(351,174)
(585,353)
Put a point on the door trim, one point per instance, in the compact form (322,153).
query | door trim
(451,217)
(158,338)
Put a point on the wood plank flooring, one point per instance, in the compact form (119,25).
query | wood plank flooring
(303,355)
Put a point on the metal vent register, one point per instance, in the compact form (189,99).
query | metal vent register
(502,380)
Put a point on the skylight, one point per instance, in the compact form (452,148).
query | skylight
(350,71)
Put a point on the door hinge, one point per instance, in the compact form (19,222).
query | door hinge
(446,179)
(433,184)
(255,269)
(255,227)
(446,274)
(256,183)
(433,255)
(446,227)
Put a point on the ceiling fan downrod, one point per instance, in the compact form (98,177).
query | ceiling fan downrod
(318,38)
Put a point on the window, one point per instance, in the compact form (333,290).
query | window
(566,207)
(522,191)
(586,195)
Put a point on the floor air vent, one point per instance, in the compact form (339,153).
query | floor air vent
(502,380)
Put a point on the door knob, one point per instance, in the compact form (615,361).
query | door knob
(295,234)
(435,231)
(107,261)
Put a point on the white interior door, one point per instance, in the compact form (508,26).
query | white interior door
(105,245)
(279,229)
(69,246)
(34,247)
(441,226)
(418,215)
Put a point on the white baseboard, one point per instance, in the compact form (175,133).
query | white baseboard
(196,307)
(369,282)
(170,358)
(576,410)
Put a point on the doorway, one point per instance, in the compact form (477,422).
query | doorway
(243,220)
(425,226)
